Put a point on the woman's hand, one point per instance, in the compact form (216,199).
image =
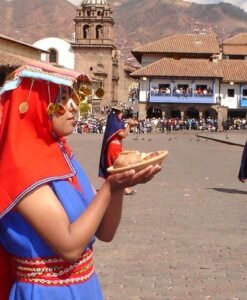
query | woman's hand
(130,178)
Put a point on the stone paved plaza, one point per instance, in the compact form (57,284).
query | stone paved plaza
(183,235)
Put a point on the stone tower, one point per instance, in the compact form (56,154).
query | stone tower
(93,46)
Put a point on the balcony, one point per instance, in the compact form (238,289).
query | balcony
(182,98)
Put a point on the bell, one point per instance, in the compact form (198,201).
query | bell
(99,92)
(82,96)
(85,90)
(83,107)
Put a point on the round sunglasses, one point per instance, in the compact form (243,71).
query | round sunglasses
(56,109)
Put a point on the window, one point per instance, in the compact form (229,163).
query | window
(244,92)
(183,86)
(202,89)
(99,32)
(53,56)
(182,89)
(230,93)
(201,86)
(164,88)
(86,31)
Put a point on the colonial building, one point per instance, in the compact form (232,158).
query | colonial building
(186,76)
(14,54)
(235,47)
(93,51)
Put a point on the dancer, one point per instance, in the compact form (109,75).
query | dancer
(50,216)
(112,143)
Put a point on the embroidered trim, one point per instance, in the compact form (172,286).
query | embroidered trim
(54,271)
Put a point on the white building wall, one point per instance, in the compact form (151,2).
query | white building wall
(230,102)
(144,88)
(217,90)
(66,57)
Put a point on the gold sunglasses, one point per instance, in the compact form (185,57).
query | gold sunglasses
(56,109)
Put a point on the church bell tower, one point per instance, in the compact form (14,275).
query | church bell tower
(94,23)
(94,50)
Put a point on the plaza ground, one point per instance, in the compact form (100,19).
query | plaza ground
(183,235)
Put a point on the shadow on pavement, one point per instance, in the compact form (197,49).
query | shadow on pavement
(229,191)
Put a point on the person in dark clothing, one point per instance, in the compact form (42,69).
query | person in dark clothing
(242,174)
(2,75)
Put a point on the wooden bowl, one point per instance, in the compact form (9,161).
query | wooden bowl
(151,158)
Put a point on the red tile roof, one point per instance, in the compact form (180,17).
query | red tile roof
(239,39)
(182,43)
(235,49)
(234,70)
(12,60)
(168,67)
(236,45)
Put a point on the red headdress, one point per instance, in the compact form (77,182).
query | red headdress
(30,155)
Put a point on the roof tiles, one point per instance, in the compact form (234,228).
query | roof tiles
(239,39)
(234,70)
(182,43)
(181,68)
(12,60)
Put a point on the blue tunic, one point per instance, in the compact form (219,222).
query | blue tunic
(20,239)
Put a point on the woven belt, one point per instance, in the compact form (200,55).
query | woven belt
(54,271)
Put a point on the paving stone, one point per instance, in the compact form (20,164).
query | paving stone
(183,236)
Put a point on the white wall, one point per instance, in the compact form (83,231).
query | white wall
(230,102)
(66,57)
(144,89)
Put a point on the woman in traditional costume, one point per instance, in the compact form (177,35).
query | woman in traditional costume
(112,143)
(50,215)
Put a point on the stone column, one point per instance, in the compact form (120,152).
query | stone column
(222,115)
(142,111)
(182,115)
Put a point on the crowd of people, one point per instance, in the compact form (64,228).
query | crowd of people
(181,91)
(148,125)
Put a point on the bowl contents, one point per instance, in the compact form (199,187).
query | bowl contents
(127,158)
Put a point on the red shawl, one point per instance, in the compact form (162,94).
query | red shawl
(29,154)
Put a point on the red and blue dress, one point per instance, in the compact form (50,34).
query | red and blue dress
(32,156)
(111,144)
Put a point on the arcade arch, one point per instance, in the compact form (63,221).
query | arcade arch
(175,113)
(154,112)
(192,113)
(211,113)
